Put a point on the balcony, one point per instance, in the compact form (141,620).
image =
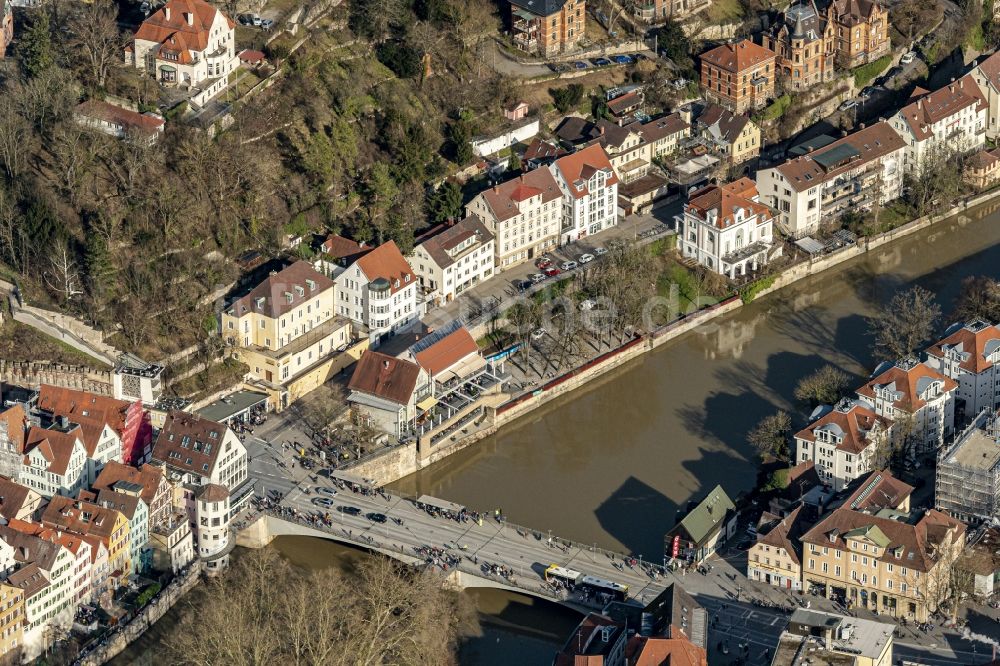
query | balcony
(525,42)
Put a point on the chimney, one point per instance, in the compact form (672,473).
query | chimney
(166,12)
(385,364)
(189,17)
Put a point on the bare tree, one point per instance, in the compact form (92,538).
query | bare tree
(823,387)
(625,278)
(97,38)
(905,323)
(15,132)
(524,317)
(978,299)
(63,276)
(770,436)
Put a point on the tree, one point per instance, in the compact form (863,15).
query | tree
(902,326)
(97,39)
(380,192)
(263,611)
(770,436)
(824,387)
(460,135)
(673,42)
(63,276)
(936,181)
(979,298)
(623,277)
(524,317)
(35,48)
(445,203)
(567,98)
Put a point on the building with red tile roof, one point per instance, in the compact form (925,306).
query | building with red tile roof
(843,442)
(597,641)
(149,480)
(453,257)
(55,460)
(187,43)
(878,490)
(776,556)
(919,400)
(451,353)
(987,77)
(654,651)
(726,229)
(198,450)
(590,189)
(119,122)
(524,214)
(390,391)
(378,291)
(970,354)
(739,76)
(546,27)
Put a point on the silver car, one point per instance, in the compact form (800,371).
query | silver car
(568,265)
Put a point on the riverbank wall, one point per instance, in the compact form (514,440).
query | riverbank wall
(398,462)
(148,616)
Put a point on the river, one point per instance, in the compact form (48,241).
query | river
(612,463)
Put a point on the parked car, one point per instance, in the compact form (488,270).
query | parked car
(349,510)
(255,20)
(907,58)
(600,62)
(579,64)
(267,24)
(376,517)
(536,278)
(622,59)
(585,258)
(640,56)
(848,105)
(522,285)
(242,19)
(568,265)
(538,334)
(552,271)
(865,93)
(543,263)
(329,492)
(600,251)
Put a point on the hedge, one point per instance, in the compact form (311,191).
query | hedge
(863,75)
(750,291)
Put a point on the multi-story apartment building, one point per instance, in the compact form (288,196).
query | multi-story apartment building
(633,147)
(951,120)
(893,562)
(286,329)
(187,43)
(842,442)
(150,481)
(524,214)
(918,400)
(860,31)
(967,478)
(55,459)
(454,257)
(172,543)
(738,76)
(390,391)
(590,192)
(127,500)
(818,637)
(970,354)
(726,229)
(855,173)
(776,556)
(800,44)
(658,11)
(11,623)
(987,77)
(197,451)
(547,27)
(733,135)
(379,292)
(85,518)
(212,537)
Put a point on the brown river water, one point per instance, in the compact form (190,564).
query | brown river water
(613,462)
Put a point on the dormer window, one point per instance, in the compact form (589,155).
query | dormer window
(311,284)
(396,284)
(259,303)
(288,296)
(406,278)
(299,290)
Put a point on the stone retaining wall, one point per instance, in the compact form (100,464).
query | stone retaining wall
(32,374)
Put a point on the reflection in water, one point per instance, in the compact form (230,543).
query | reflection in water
(611,463)
(514,628)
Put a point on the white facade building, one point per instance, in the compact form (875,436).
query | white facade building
(841,442)
(852,174)
(950,120)
(55,461)
(918,400)
(198,451)
(379,292)
(970,354)
(453,258)
(524,214)
(589,187)
(726,229)
(212,536)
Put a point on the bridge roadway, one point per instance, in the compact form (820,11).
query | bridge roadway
(525,553)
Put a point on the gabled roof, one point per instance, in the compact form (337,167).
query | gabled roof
(738,57)
(283,291)
(148,476)
(446,238)
(778,532)
(539,7)
(662,127)
(504,199)
(13,496)
(975,342)
(14,421)
(726,200)
(983,159)
(655,651)
(29,548)
(990,68)
(194,36)
(574,130)
(623,103)
(850,152)
(540,149)
(852,12)
(83,406)
(576,168)
(55,446)
(386,377)
(877,490)
(130,120)
(340,248)
(80,517)
(387,262)
(943,103)
(447,351)
(722,124)
(908,380)
(31,579)
(710,512)
(850,423)
(190,442)
(126,504)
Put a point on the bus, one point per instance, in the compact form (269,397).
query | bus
(563,575)
(616,591)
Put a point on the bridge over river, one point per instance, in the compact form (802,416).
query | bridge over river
(473,553)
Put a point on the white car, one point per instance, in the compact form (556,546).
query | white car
(537,334)
(600,251)
(324,502)
(908,57)
(329,492)
(585,258)
(568,265)
(849,104)
(536,277)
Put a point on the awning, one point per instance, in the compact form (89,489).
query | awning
(810,245)
(444,505)
(464,368)
(168,68)
(427,403)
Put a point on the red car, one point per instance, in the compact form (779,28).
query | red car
(543,263)
(552,271)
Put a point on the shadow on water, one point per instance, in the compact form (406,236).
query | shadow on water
(634,514)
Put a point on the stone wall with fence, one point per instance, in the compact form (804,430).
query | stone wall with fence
(32,374)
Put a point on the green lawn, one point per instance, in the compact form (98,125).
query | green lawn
(723,11)
(19,342)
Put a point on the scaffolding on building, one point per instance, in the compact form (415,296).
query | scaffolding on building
(967,484)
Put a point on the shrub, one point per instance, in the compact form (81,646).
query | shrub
(863,75)
(750,291)
(568,97)
(400,58)
(777,108)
